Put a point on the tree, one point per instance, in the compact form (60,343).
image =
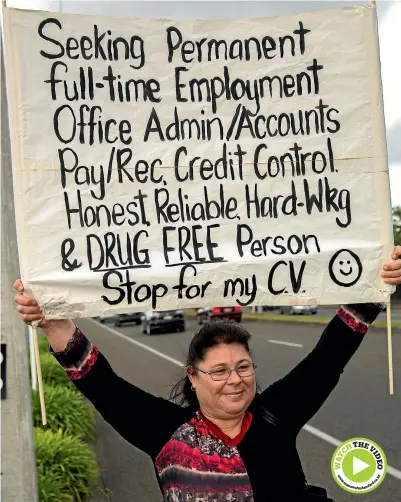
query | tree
(397,225)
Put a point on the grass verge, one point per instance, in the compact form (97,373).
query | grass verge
(299,319)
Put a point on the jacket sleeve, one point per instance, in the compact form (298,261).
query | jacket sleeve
(144,420)
(296,398)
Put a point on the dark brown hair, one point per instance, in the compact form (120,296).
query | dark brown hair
(210,334)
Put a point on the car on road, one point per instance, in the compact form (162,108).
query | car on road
(298,309)
(209,314)
(166,321)
(104,319)
(134,318)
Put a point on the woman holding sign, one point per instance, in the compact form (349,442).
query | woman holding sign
(223,441)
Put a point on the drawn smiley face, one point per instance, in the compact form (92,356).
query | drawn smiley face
(345,268)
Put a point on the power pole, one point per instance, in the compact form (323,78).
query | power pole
(18,466)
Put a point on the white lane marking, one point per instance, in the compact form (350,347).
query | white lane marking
(322,435)
(394,472)
(309,428)
(288,344)
(142,345)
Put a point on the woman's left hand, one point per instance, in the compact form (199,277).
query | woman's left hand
(391,271)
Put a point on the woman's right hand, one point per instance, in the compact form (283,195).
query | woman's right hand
(27,306)
(58,332)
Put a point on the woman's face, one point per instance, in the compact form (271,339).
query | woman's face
(224,398)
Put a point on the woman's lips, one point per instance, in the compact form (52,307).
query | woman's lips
(234,394)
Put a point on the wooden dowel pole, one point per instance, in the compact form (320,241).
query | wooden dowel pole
(39,373)
(390,349)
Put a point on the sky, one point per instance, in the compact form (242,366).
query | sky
(389,19)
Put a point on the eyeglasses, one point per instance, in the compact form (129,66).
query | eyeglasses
(243,370)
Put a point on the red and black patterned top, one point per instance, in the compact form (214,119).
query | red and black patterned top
(195,461)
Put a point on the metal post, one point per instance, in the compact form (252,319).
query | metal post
(18,466)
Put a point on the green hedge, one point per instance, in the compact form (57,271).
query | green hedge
(65,410)
(51,486)
(66,467)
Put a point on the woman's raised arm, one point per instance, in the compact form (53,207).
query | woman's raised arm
(144,420)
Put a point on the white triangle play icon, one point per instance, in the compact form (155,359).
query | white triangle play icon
(358,465)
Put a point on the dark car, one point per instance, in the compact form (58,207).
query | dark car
(104,319)
(166,321)
(208,314)
(134,318)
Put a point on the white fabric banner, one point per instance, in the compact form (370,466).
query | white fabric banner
(147,152)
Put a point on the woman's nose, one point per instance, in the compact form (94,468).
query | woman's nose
(234,377)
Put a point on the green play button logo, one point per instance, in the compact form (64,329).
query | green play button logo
(359,465)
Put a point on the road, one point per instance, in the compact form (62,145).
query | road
(360,406)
